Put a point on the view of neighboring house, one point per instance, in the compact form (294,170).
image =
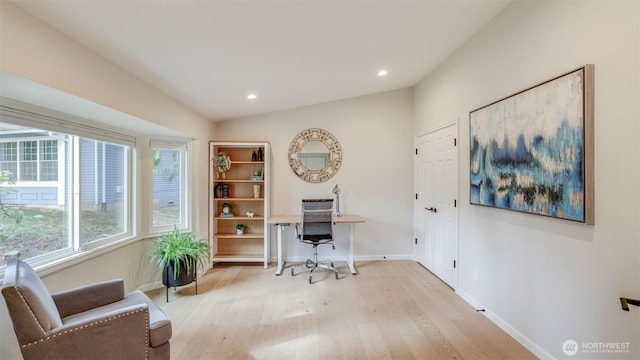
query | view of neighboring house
(37,162)
(32,158)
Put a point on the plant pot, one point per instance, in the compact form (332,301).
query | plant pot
(239,231)
(184,277)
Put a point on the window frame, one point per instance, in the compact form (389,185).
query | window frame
(31,116)
(130,160)
(185,180)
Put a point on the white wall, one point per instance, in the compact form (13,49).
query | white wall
(33,50)
(548,280)
(376,176)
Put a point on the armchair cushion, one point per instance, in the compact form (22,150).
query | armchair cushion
(159,324)
(83,298)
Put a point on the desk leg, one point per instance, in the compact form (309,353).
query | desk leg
(280,258)
(352,235)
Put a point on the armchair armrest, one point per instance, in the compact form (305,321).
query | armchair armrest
(84,298)
(121,333)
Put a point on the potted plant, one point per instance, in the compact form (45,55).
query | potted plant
(179,254)
(240,228)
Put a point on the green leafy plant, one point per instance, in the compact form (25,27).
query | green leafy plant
(7,211)
(241,227)
(168,172)
(179,248)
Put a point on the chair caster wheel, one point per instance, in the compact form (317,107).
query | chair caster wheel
(310,279)
(336,276)
(292,273)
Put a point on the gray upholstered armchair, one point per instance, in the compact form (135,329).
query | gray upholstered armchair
(92,322)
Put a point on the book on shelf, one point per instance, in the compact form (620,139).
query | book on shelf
(221,191)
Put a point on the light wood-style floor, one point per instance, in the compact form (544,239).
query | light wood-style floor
(390,310)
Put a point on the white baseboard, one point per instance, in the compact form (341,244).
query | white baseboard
(506,327)
(151,286)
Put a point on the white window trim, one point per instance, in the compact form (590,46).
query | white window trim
(185,180)
(28,115)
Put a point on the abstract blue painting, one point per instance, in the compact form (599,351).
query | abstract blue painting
(532,151)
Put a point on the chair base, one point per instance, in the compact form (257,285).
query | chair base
(311,265)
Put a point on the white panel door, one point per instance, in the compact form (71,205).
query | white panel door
(420,215)
(438,203)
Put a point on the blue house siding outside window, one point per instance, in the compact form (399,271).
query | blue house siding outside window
(101,188)
(166,178)
(101,172)
(35,164)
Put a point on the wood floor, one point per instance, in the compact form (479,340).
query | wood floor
(390,310)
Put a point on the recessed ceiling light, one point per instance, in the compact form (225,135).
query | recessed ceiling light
(252,96)
(382,73)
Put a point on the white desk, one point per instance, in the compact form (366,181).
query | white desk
(287,220)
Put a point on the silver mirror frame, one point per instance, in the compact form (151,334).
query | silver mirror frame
(335,155)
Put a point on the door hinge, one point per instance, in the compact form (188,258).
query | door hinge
(416,196)
(416,151)
(455,203)
(416,241)
(455,142)
(454,264)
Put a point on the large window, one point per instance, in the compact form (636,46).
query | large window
(61,193)
(103,174)
(169,189)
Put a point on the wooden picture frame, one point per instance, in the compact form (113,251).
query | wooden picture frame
(533,151)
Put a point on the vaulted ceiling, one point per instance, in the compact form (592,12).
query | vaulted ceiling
(210,55)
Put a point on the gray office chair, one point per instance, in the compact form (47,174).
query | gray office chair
(316,229)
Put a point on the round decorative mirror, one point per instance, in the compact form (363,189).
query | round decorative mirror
(315,155)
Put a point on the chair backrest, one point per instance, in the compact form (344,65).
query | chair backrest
(317,220)
(31,307)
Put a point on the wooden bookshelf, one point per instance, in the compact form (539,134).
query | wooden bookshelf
(236,188)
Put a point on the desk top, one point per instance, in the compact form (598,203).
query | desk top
(294,219)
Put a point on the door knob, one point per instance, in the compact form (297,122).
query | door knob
(433,210)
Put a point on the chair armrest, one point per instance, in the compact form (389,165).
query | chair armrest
(117,334)
(84,298)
